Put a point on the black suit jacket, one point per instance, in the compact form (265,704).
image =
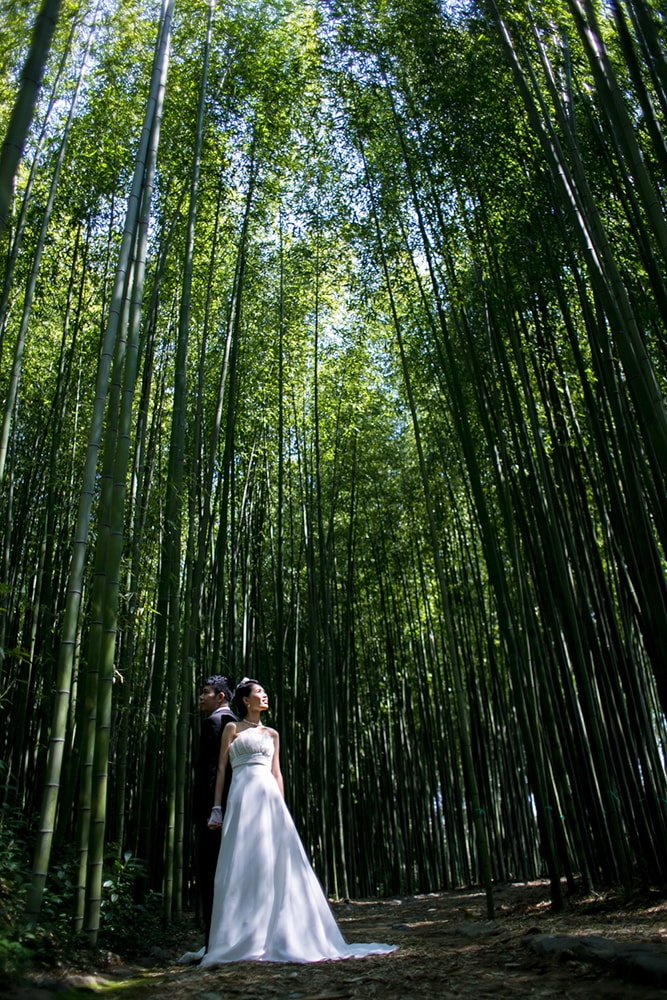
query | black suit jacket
(207,764)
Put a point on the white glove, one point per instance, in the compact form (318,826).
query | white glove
(215,819)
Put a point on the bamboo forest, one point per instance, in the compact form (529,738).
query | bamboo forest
(333,353)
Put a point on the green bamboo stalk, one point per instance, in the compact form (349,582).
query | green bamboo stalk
(26,101)
(77,567)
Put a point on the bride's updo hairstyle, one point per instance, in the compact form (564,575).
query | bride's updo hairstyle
(241,691)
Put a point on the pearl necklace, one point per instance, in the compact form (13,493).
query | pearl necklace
(247,722)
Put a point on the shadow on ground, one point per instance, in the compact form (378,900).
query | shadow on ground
(596,948)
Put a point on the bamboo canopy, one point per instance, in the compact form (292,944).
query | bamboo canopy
(332,353)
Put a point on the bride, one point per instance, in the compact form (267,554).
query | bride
(268,905)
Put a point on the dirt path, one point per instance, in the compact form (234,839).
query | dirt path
(446,950)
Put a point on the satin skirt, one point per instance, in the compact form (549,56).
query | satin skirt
(268,903)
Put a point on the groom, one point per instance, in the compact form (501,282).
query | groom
(214,700)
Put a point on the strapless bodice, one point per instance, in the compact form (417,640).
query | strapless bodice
(252,746)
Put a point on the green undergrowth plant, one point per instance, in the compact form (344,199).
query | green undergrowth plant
(129,924)
(13,877)
(131,921)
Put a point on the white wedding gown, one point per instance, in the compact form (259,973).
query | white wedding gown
(268,904)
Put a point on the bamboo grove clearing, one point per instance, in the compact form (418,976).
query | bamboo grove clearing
(332,352)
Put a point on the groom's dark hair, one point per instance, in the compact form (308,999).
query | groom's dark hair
(220,684)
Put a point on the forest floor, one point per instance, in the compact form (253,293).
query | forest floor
(447,949)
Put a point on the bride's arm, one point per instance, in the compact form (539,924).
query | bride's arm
(228,734)
(275,763)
